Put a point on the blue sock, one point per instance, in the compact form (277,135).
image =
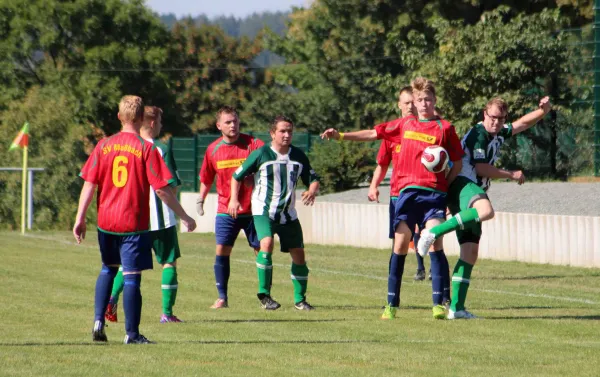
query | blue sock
(437,281)
(103,290)
(395,279)
(420,265)
(390,261)
(132,304)
(222,269)
(445,275)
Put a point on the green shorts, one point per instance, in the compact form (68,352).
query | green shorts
(290,234)
(165,245)
(461,195)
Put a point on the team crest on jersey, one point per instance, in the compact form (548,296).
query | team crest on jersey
(478,153)
(398,148)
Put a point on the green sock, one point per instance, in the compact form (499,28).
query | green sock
(264,267)
(300,281)
(455,222)
(461,277)
(169,289)
(117,287)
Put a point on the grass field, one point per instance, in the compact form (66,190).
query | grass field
(538,320)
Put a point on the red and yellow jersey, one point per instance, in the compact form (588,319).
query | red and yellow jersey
(389,152)
(221,160)
(414,135)
(124,166)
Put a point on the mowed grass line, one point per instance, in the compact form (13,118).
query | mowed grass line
(538,319)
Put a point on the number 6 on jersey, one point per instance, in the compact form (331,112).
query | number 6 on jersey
(119,172)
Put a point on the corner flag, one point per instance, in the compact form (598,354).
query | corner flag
(22,139)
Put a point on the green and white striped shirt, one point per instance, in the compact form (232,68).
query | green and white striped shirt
(161,216)
(275,180)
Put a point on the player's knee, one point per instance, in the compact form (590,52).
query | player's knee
(438,244)
(484,210)
(170,265)
(110,269)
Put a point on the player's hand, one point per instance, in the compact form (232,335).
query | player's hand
(373,194)
(308,198)
(330,133)
(545,104)
(200,206)
(233,208)
(189,223)
(518,176)
(79,231)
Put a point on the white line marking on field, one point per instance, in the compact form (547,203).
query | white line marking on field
(373,277)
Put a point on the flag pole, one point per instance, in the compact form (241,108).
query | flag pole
(23,190)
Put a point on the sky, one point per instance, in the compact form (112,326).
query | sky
(215,8)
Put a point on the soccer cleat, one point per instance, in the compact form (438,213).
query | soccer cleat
(169,318)
(111,312)
(389,312)
(461,314)
(267,303)
(439,312)
(98,334)
(420,275)
(303,305)
(221,303)
(427,239)
(140,339)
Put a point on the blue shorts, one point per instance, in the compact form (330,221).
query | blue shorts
(227,229)
(133,252)
(393,200)
(417,206)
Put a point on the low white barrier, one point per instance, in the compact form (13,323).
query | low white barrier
(553,239)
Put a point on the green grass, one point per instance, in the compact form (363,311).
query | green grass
(537,319)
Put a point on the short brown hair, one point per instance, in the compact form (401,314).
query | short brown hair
(152,113)
(421,84)
(280,118)
(406,89)
(497,101)
(227,110)
(131,109)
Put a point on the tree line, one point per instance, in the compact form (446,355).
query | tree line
(65,64)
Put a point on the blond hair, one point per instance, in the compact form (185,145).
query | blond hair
(421,84)
(227,110)
(499,102)
(151,113)
(131,109)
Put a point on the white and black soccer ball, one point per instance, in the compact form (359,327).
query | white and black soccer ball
(435,158)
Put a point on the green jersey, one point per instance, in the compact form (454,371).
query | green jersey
(161,216)
(482,147)
(275,179)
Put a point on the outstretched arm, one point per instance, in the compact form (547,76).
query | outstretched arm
(490,171)
(363,135)
(528,120)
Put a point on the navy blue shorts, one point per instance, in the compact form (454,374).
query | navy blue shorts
(417,206)
(227,229)
(393,200)
(133,252)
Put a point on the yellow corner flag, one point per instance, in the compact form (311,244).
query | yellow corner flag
(22,141)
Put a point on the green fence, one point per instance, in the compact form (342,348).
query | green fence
(189,153)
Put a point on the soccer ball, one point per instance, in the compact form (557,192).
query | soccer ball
(434,158)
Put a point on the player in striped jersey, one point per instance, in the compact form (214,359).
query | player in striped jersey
(422,199)
(163,230)
(222,158)
(124,167)
(467,198)
(277,168)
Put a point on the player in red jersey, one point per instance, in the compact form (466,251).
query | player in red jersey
(123,167)
(222,158)
(422,199)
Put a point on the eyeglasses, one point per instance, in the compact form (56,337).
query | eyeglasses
(497,119)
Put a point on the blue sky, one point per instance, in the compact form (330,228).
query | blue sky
(215,8)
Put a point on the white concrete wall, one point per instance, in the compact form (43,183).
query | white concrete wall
(561,240)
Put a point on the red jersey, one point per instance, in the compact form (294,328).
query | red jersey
(389,152)
(124,166)
(222,159)
(415,135)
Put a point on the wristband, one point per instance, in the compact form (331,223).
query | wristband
(341,136)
